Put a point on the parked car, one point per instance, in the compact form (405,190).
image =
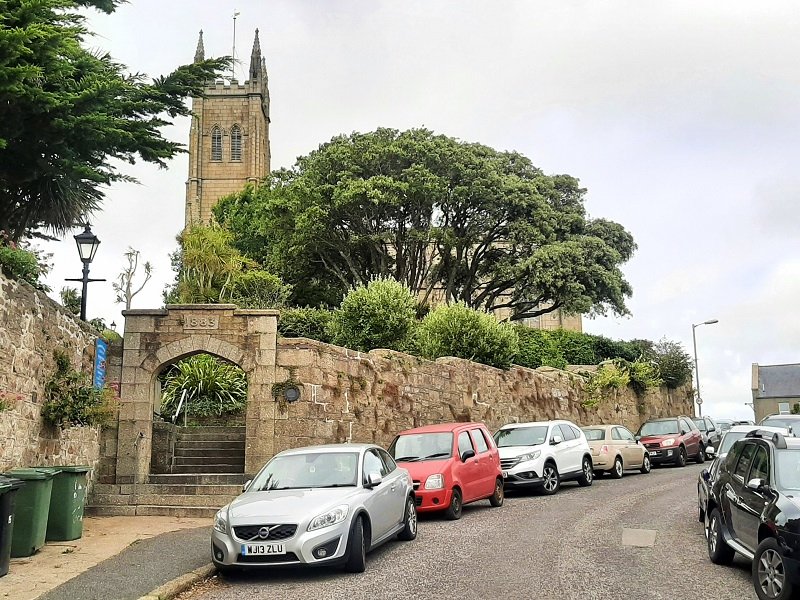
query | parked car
(709,430)
(614,449)
(319,505)
(672,440)
(451,464)
(753,510)
(707,476)
(724,424)
(744,422)
(541,455)
(790,422)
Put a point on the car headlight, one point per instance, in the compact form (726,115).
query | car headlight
(434,482)
(530,456)
(220,523)
(668,442)
(332,517)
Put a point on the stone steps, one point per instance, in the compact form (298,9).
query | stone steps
(199,479)
(152,511)
(209,445)
(207,473)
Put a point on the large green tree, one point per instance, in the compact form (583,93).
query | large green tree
(460,220)
(68,115)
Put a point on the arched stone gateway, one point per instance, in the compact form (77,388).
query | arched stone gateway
(155,338)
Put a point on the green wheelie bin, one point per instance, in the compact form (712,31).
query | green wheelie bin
(8,490)
(65,517)
(30,511)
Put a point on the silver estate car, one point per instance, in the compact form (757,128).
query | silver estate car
(319,505)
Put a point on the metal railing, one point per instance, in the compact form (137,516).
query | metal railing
(178,411)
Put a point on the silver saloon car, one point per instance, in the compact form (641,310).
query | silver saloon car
(319,505)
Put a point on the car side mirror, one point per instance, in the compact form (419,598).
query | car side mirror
(556,440)
(638,438)
(759,485)
(710,452)
(246,485)
(705,474)
(374,479)
(467,454)
(683,432)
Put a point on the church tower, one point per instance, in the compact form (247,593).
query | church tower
(229,137)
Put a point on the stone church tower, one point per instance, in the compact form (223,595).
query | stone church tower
(229,137)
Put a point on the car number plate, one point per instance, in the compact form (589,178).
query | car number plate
(653,452)
(505,474)
(262,549)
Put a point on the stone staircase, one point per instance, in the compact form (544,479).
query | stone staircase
(206,473)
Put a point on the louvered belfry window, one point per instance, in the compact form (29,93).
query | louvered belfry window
(216,144)
(236,143)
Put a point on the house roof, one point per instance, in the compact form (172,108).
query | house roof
(778,381)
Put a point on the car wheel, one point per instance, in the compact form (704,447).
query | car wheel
(357,552)
(453,511)
(769,572)
(718,550)
(681,459)
(551,479)
(409,531)
(587,474)
(701,456)
(646,464)
(498,497)
(618,469)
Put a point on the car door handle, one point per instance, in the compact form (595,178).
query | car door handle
(394,487)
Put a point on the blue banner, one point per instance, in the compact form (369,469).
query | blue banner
(101,351)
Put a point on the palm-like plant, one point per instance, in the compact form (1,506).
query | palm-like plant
(213,387)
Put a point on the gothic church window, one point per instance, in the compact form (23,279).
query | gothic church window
(236,143)
(216,143)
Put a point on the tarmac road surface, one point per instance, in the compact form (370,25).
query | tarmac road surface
(635,538)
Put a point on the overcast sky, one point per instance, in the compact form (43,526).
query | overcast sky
(681,118)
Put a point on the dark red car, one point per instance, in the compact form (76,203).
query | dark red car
(451,464)
(672,440)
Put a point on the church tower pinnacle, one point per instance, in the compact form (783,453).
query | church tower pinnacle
(200,53)
(229,137)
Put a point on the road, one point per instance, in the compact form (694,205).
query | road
(559,547)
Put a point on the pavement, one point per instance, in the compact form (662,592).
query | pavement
(117,558)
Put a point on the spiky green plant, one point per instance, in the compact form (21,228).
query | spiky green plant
(213,387)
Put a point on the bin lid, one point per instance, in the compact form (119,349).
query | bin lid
(70,468)
(30,474)
(12,483)
(51,470)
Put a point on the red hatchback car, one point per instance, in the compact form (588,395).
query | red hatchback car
(451,464)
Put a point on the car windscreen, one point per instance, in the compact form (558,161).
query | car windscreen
(668,427)
(701,424)
(729,439)
(787,469)
(521,436)
(311,470)
(413,447)
(724,425)
(595,435)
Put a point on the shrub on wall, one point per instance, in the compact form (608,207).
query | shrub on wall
(71,399)
(19,264)
(673,364)
(212,387)
(381,314)
(455,330)
(259,289)
(537,348)
(312,323)
(577,348)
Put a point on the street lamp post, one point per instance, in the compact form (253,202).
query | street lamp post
(696,371)
(87,247)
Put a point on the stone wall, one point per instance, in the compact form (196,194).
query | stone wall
(31,327)
(369,397)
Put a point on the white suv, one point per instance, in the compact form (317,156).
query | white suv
(543,454)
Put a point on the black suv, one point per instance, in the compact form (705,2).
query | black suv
(754,509)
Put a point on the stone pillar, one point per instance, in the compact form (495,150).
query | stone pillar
(135,408)
(262,328)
